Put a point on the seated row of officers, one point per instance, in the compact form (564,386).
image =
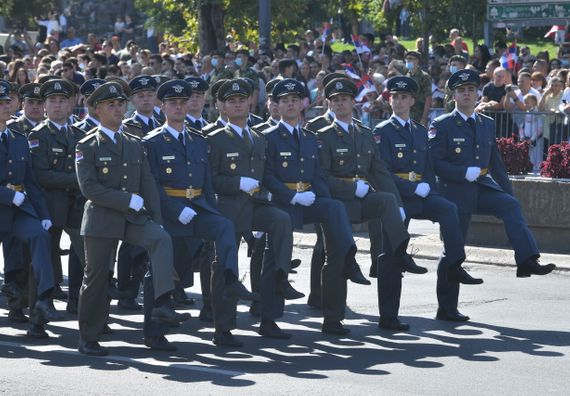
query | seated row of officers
(181,194)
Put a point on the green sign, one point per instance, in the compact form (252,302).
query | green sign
(528,11)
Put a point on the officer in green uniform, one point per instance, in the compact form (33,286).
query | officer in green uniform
(52,144)
(420,110)
(122,204)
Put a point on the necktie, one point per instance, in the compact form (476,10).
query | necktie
(63,130)
(151,123)
(246,138)
(117,137)
(471,123)
(181,139)
(350,130)
(408,127)
(296,136)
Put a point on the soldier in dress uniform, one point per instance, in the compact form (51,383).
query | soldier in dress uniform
(15,104)
(52,144)
(143,96)
(32,108)
(272,108)
(237,157)
(158,114)
(122,204)
(252,119)
(178,158)
(195,116)
(90,121)
(221,121)
(472,175)
(297,182)
(403,147)
(24,216)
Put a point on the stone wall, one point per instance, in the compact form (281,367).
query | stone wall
(546,207)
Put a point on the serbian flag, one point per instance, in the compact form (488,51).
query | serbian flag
(360,49)
(326,31)
(510,58)
(350,72)
(364,86)
(552,32)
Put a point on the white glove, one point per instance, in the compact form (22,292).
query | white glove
(246,184)
(269,197)
(403,214)
(422,190)
(186,215)
(18,198)
(258,234)
(361,188)
(46,224)
(306,198)
(136,203)
(472,173)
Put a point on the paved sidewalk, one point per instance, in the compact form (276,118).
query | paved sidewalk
(425,239)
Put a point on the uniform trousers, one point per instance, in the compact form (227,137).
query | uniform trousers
(93,298)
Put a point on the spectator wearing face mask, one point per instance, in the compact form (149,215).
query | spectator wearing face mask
(422,106)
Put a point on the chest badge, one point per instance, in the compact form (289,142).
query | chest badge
(285,164)
(105,170)
(168,170)
(341,162)
(233,166)
(400,155)
(458,150)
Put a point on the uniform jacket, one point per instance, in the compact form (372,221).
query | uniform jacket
(405,152)
(20,125)
(140,124)
(85,125)
(108,175)
(454,147)
(16,168)
(176,166)
(231,159)
(53,160)
(210,128)
(343,156)
(289,162)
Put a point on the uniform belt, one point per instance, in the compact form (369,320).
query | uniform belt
(299,186)
(189,193)
(411,176)
(353,179)
(15,187)
(256,189)
(484,171)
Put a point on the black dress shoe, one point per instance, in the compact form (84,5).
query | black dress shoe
(226,338)
(92,348)
(460,275)
(532,267)
(11,290)
(314,301)
(130,304)
(237,291)
(179,297)
(409,265)
(393,324)
(451,316)
(72,306)
(159,343)
(107,330)
(287,291)
(206,314)
(37,331)
(17,316)
(255,309)
(295,263)
(354,274)
(44,312)
(269,328)
(58,294)
(165,313)
(116,294)
(335,328)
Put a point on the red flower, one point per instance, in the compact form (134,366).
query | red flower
(515,155)
(557,163)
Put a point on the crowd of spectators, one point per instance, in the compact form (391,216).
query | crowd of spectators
(532,83)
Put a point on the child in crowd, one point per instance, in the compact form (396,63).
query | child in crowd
(532,129)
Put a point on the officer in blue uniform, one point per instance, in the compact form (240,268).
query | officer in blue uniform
(179,161)
(143,96)
(24,215)
(472,175)
(403,147)
(90,121)
(195,118)
(298,184)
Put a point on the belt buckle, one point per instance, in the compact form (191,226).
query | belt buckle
(190,193)
(300,186)
(412,176)
(11,186)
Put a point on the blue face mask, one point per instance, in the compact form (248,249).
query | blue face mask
(214,62)
(410,65)
(239,62)
(453,69)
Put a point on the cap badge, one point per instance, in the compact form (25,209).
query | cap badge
(112,89)
(194,84)
(144,81)
(36,90)
(235,87)
(339,85)
(402,84)
(96,85)
(178,88)
(57,86)
(290,86)
(2,89)
(464,76)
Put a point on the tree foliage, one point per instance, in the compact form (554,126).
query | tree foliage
(20,13)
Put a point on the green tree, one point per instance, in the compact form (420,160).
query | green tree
(20,13)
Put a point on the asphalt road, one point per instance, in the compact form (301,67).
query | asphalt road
(518,342)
